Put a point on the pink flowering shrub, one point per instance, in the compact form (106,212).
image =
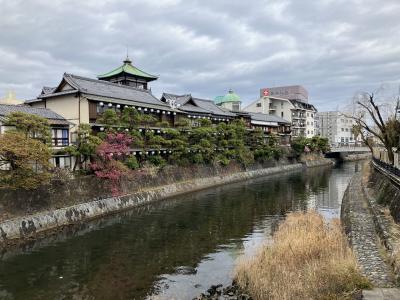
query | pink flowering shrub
(109,154)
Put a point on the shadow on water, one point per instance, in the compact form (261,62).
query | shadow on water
(174,248)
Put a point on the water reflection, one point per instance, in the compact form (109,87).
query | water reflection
(173,249)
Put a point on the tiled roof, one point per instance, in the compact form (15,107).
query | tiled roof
(267,118)
(48,114)
(105,89)
(210,106)
(198,106)
(128,68)
(48,90)
(303,105)
(194,109)
(180,99)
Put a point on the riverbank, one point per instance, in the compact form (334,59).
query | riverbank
(145,252)
(358,223)
(309,258)
(25,227)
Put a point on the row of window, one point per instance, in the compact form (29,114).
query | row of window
(342,139)
(347,121)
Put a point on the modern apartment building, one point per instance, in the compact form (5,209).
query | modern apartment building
(291,92)
(335,126)
(296,109)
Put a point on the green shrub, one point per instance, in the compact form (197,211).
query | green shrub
(198,158)
(132,163)
(245,156)
(222,160)
(156,160)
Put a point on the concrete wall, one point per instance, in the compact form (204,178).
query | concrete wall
(252,107)
(310,124)
(66,106)
(281,106)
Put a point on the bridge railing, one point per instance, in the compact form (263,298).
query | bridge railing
(350,149)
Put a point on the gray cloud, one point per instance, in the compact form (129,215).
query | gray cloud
(332,47)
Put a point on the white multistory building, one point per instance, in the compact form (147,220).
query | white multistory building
(337,127)
(289,103)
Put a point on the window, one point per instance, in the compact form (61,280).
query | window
(342,129)
(236,107)
(63,162)
(308,114)
(282,114)
(312,115)
(258,104)
(60,137)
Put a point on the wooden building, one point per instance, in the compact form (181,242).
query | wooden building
(83,100)
(59,127)
(196,108)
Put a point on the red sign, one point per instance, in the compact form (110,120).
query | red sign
(266,93)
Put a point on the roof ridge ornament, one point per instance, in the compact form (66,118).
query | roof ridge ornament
(173,104)
(127,60)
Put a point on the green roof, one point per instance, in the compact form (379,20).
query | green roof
(128,68)
(230,97)
(218,99)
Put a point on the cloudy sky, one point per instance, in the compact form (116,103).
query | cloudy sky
(334,48)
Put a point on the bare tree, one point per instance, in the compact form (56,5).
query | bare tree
(359,132)
(376,120)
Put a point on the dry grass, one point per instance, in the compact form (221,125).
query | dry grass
(309,259)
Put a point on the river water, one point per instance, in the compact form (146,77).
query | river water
(174,249)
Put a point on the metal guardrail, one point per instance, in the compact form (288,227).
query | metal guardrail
(387,170)
(388,167)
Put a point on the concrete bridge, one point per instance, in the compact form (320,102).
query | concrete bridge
(344,153)
(350,149)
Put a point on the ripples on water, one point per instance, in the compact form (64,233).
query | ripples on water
(174,249)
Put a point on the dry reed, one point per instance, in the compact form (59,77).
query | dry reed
(309,259)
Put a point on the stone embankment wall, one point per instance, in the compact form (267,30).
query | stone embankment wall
(319,163)
(386,190)
(315,160)
(354,157)
(359,224)
(32,225)
(370,215)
